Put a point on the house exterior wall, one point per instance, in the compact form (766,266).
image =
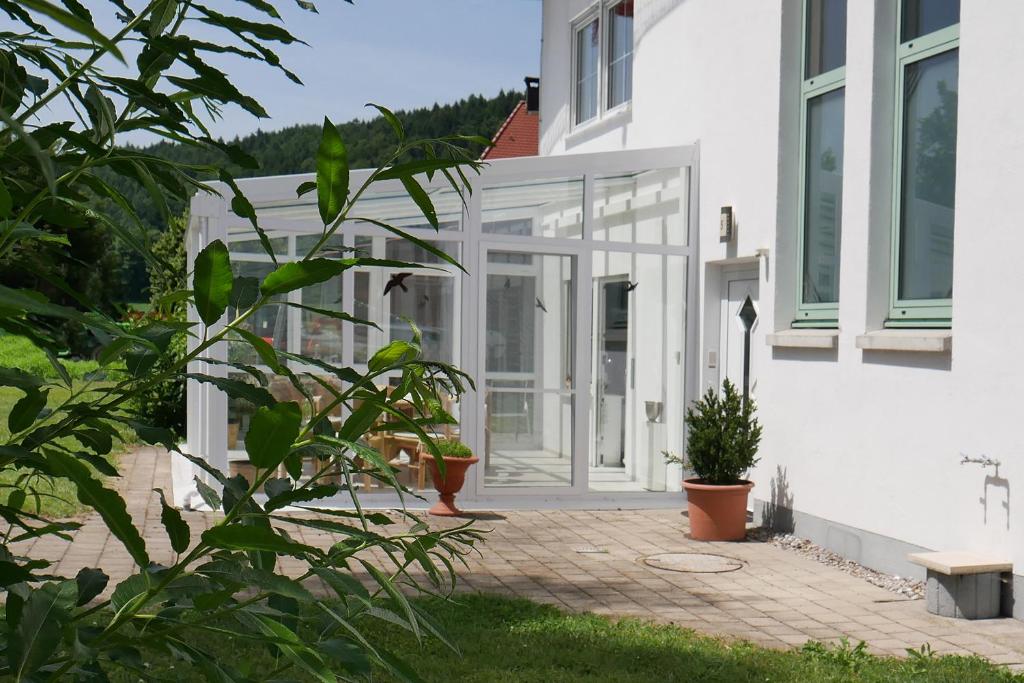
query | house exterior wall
(868,440)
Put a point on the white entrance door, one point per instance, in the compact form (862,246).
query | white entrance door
(737,288)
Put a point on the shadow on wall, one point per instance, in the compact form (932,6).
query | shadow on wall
(995,481)
(924,361)
(650,14)
(778,512)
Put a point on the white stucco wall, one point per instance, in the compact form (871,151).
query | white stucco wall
(871,440)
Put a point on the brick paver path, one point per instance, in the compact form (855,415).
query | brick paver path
(778,598)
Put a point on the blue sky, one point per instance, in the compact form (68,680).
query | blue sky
(399,53)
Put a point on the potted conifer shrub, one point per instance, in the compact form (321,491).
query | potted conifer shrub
(457,459)
(722,440)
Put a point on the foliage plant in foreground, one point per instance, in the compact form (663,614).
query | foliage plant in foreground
(225,584)
(722,436)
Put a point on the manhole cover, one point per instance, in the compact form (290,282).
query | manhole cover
(698,563)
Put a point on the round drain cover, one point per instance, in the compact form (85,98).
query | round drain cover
(698,563)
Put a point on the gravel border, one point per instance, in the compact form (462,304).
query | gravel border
(910,589)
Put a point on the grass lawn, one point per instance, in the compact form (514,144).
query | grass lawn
(57,498)
(506,640)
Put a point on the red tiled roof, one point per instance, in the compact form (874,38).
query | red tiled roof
(517,137)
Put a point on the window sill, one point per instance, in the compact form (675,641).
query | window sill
(922,341)
(613,118)
(804,338)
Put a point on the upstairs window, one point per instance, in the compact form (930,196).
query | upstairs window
(925,164)
(602,66)
(588,50)
(823,103)
(620,53)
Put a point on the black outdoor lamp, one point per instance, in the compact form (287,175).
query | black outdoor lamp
(747,315)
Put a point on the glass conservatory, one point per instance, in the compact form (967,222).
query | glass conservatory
(573,319)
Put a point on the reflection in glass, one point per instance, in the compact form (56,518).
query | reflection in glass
(528,383)
(588,48)
(620,53)
(921,17)
(545,208)
(929,178)
(823,197)
(637,346)
(247,246)
(825,38)
(640,208)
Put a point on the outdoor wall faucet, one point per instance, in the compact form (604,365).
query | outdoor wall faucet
(983,460)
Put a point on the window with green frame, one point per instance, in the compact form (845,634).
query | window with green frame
(921,291)
(822,104)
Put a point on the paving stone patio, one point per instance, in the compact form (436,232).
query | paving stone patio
(592,561)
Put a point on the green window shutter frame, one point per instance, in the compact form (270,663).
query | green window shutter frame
(914,313)
(822,315)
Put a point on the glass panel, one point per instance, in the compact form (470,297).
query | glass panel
(528,377)
(332,248)
(929,178)
(361,310)
(427,297)
(921,17)
(825,39)
(320,335)
(620,53)
(587,51)
(269,322)
(253,246)
(637,390)
(823,197)
(393,208)
(640,208)
(547,208)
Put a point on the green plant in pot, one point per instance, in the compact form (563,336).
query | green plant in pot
(722,440)
(457,458)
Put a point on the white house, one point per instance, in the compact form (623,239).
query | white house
(884,351)
(812,156)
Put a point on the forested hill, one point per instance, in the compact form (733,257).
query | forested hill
(293,150)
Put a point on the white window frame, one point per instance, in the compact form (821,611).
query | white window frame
(595,12)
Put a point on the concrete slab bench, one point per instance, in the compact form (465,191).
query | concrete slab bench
(963,585)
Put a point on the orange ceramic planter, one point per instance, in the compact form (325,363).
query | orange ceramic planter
(717,513)
(447,487)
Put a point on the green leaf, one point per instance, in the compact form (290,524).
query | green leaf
(177,528)
(243,207)
(271,434)
(264,350)
(303,495)
(162,15)
(429,247)
(396,595)
(39,630)
(74,23)
(245,537)
(305,188)
(212,282)
(209,496)
(293,648)
(258,396)
(390,355)
(422,199)
(91,583)
(6,203)
(107,503)
(331,173)
(26,410)
(392,120)
(299,274)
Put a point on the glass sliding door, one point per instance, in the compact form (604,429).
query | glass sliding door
(637,351)
(528,359)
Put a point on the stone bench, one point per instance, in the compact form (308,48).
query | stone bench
(962,584)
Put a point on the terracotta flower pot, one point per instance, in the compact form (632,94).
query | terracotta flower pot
(717,513)
(450,484)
